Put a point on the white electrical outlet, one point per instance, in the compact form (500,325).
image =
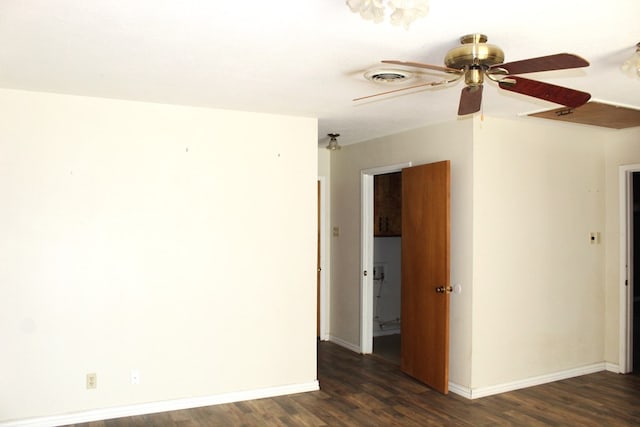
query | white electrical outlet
(135,376)
(92,380)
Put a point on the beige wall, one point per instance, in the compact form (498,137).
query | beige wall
(622,148)
(324,162)
(525,196)
(178,241)
(538,304)
(447,141)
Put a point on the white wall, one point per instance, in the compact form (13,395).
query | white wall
(538,304)
(450,141)
(324,162)
(179,241)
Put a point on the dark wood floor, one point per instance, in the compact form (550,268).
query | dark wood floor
(387,347)
(367,391)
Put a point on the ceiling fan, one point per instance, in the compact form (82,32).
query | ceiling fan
(475,59)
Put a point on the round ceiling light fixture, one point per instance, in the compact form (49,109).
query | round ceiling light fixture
(333,142)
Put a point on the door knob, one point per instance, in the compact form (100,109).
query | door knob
(444,289)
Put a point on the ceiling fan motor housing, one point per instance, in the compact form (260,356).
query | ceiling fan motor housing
(474,52)
(474,76)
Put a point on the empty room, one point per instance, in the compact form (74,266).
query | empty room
(319,213)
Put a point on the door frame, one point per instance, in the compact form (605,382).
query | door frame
(366,251)
(324,289)
(625,286)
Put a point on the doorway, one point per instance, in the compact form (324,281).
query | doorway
(425,271)
(367,285)
(387,265)
(635,267)
(322,294)
(629,353)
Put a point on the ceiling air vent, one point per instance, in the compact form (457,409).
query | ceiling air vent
(388,76)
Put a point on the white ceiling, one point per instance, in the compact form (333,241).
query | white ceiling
(303,57)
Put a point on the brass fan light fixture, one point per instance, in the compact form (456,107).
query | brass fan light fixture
(475,59)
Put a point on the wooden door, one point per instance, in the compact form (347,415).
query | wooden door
(424,352)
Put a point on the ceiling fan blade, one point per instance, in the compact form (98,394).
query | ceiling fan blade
(559,94)
(421,65)
(470,100)
(436,83)
(560,61)
(394,90)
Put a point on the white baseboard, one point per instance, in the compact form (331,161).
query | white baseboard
(345,344)
(476,393)
(164,406)
(460,390)
(612,367)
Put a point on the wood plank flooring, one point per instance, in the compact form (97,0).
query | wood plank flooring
(387,347)
(367,391)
